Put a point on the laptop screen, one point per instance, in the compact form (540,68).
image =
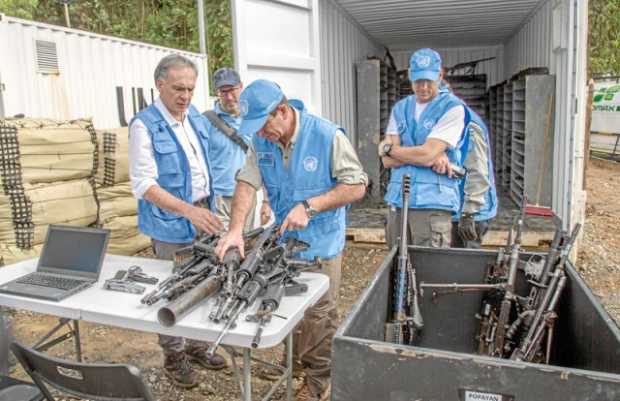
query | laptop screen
(75,251)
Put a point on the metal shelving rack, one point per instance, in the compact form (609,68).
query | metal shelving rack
(377,85)
(507,136)
(532,135)
(517,163)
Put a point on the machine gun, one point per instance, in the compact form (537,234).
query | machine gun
(468,66)
(271,278)
(500,283)
(544,316)
(403,328)
(237,277)
(194,279)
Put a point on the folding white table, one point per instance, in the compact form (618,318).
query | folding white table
(119,309)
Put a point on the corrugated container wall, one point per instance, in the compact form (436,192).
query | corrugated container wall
(55,72)
(343,43)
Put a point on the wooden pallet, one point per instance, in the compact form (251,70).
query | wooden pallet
(491,239)
(366,235)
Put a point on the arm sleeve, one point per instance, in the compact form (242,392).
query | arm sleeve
(450,126)
(142,167)
(477,178)
(346,167)
(250,173)
(392,127)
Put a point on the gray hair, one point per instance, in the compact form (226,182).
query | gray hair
(171,61)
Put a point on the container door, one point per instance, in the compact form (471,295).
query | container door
(279,40)
(2,115)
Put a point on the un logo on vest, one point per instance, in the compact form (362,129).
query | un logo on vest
(310,163)
(423,61)
(428,124)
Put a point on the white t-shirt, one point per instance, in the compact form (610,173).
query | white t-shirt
(449,128)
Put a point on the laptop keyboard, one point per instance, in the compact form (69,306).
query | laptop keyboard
(62,283)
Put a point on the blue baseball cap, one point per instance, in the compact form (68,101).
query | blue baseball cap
(425,64)
(257,100)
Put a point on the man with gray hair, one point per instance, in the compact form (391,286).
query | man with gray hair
(170,176)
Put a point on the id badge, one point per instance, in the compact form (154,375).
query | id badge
(266,159)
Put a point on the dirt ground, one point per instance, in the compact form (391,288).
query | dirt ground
(598,261)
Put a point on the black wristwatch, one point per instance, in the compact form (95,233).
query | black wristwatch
(387,148)
(310,211)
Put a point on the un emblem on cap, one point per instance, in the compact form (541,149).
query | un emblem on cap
(423,61)
(310,163)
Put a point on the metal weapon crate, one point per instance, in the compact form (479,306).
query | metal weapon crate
(444,366)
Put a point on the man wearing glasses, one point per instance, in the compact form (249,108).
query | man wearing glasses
(227,147)
(170,176)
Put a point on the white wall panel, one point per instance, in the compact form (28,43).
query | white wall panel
(343,43)
(279,40)
(91,67)
(494,69)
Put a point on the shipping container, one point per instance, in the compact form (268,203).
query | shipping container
(311,47)
(50,71)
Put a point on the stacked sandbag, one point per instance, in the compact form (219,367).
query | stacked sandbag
(113,161)
(47,171)
(118,213)
(118,207)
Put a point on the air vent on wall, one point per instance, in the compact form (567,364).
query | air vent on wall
(47,57)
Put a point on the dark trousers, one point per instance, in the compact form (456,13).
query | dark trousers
(457,242)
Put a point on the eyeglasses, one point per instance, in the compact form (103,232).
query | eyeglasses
(227,91)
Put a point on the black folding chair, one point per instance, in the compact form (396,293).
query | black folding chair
(17,390)
(103,381)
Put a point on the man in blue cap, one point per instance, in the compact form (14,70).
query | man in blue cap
(311,173)
(170,176)
(422,128)
(227,147)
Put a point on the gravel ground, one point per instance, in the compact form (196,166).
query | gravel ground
(599,263)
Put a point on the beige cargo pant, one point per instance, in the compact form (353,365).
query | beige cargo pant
(312,338)
(223,210)
(426,227)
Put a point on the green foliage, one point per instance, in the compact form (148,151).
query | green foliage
(604,37)
(170,23)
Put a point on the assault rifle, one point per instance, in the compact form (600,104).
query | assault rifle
(468,66)
(273,277)
(403,328)
(194,279)
(544,314)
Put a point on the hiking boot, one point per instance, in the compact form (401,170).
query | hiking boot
(305,394)
(200,356)
(273,373)
(179,370)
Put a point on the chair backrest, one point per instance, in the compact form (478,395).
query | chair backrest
(85,380)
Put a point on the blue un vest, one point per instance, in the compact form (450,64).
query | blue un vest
(489,210)
(225,156)
(173,175)
(308,175)
(429,190)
